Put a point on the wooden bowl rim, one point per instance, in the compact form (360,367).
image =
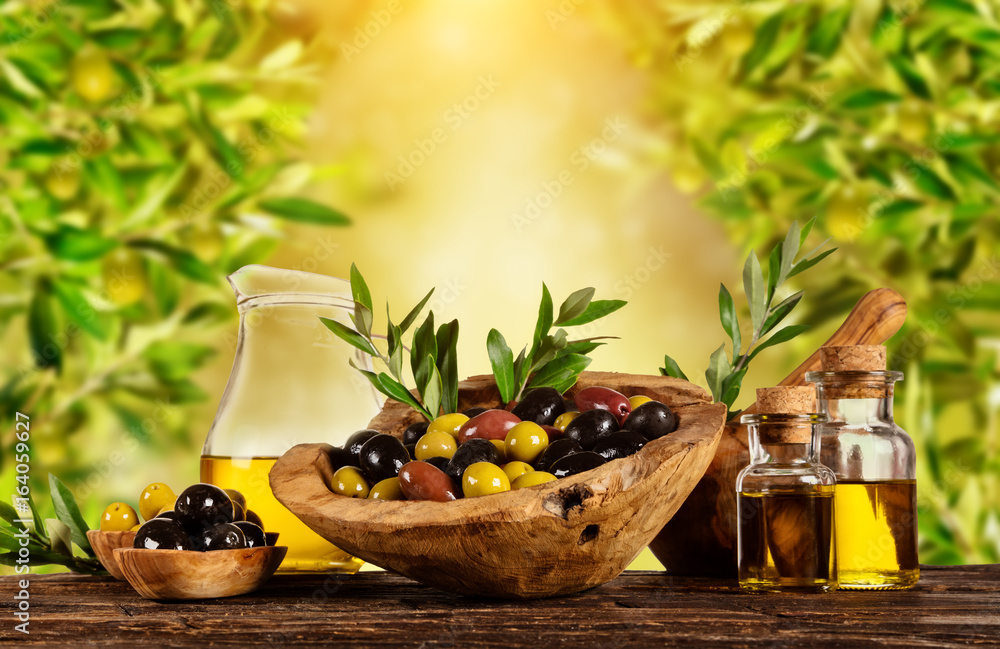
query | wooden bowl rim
(522,504)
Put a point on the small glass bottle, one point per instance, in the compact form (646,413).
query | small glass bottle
(785,499)
(875,463)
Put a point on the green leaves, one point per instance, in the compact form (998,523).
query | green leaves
(350,336)
(302,210)
(552,360)
(433,355)
(43,330)
(730,323)
(502,362)
(575,305)
(49,540)
(74,244)
(868,98)
(753,287)
(68,512)
(910,76)
(763,43)
(725,377)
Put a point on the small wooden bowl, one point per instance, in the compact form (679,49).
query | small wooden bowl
(553,539)
(184,574)
(105,543)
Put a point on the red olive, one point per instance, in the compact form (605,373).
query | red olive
(492,424)
(423,481)
(598,398)
(554,433)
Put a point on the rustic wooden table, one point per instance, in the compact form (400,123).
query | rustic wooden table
(951,607)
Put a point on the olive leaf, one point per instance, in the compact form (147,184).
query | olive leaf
(433,355)
(502,362)
(552,359)
(725,377)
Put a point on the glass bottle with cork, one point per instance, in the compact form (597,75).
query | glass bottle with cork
(785,498)
(875,463)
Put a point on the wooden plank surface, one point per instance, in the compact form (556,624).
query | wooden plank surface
(952,607)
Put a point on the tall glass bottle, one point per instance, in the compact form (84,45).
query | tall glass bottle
(785,501)
(875,463)
(290,383)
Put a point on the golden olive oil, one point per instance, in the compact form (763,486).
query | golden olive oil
(307,550)
(877,534)
(787,540)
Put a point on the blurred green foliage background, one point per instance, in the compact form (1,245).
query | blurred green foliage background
(149,148)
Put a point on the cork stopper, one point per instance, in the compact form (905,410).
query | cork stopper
(786,400)
(853,358)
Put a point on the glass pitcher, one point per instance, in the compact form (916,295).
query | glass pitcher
(291,383)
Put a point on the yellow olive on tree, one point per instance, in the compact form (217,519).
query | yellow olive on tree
(124,276)
(92,75)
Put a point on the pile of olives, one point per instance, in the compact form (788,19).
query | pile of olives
(204,517)
(542,438)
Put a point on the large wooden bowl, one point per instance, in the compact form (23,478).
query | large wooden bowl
(185,574)
(557,538)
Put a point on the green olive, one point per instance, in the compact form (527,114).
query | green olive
(501,448)
(349,481)
(435,444)
(483,479)
(532,479)
(638,400)
(450,424)
(387,489)
(526,441)
(515,470)
(563,420)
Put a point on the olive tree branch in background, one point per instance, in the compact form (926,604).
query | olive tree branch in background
(725,376)
(147,154)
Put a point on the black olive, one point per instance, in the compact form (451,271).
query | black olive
(252,517)
(472,412)
(619,445)
(556,450)
(412,450)
(438,461)
(356,441)
(254,535)
(414,432)
(541,405)
(575,463)
(224,536)
(201,506)
(382,457)
(590,427)
(168,514)
(652,420)
(340,456)
(474,450)
(161,534)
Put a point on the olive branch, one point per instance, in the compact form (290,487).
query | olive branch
(725,376)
